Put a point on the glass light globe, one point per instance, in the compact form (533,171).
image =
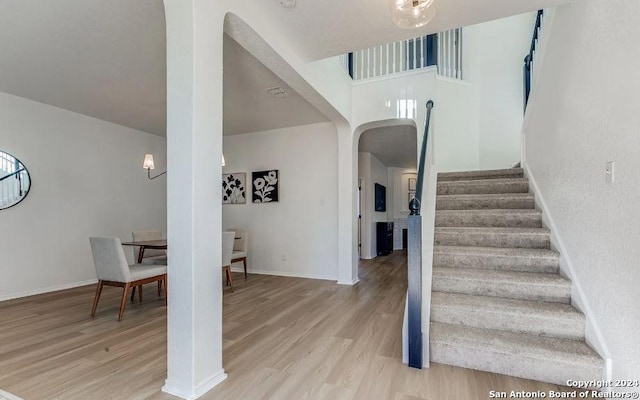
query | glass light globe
(409,14)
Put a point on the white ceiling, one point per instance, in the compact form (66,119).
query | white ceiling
(248,107)
(106,59)
(395,146)
(319,29)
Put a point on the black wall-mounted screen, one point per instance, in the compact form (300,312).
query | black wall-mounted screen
(381,197)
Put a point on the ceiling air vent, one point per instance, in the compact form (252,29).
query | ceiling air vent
(277,91)
(288,3)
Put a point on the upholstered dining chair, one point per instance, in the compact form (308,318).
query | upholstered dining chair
(240,246)
(150,256)
(112,269)
(227,251)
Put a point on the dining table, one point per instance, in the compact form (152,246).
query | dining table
(147,244)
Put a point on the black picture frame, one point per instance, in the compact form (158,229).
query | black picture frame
(380,198)
(234,188)
(265,186)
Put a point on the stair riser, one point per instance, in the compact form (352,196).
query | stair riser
(510,322)
(485,239)
(552,371)
(482,187)
(516,264)
(525,220)
(487,204)
(452,178)
(541,292)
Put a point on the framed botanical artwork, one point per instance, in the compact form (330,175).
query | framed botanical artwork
(234,188)
(412,184)
(265,186)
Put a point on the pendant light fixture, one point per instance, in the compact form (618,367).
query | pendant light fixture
(409,14)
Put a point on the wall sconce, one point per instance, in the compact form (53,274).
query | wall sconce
(148,164)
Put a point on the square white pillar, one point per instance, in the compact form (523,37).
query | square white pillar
(347,206)
(194,220)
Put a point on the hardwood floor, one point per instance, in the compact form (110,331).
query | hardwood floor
(284,338)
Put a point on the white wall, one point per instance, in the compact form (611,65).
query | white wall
(399,182)
(493,59)
(302,226)
(476,122)
(364,176)
(87,179)
(381,98)
(455,126)
(372,171)
(582,113)
(378,175)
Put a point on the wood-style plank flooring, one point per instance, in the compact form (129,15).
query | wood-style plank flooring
(284,338)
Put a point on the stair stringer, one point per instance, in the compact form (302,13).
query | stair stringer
(593,333)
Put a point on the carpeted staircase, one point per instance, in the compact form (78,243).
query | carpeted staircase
(498,301)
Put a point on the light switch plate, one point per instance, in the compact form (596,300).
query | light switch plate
(610,171)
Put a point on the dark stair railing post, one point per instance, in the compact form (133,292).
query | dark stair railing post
(414,257)
(528,59)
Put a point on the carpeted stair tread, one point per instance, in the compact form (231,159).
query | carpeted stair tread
(525,316)
(487,174)
(540,358)
(520,218)
(538,238)
(506,284)
(498,258)
(498,302)
(485,201)
(484,186)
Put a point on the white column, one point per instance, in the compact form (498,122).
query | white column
(194,148)
(347,206)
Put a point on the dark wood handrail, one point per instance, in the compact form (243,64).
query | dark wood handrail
(415,203)
(528,59)
(12,174)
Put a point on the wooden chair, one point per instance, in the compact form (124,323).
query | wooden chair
(240,247)
(227,250)
(112,269)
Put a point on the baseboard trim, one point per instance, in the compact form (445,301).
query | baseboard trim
(284,273)
(192,393)
(349,283)
(593,333)
(48,290)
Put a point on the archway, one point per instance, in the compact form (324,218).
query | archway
(385,154)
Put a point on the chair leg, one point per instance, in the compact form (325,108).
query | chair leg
(140,293)
(133,294)
(229,278)
(166,284)
(244,262)
(96,298)
(123,302)
(160,287)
